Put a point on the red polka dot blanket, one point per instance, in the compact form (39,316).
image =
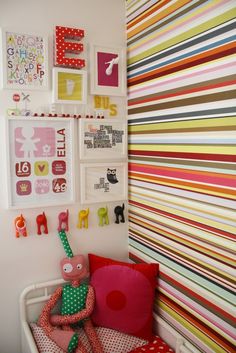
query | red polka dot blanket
(112,342)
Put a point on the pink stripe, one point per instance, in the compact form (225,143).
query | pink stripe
(207,179)
(182,299)
(182,329)
(182,24)
(203,72)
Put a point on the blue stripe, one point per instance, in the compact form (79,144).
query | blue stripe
(197,51)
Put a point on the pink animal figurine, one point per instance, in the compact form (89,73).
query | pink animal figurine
(20,226)
(63,218)
(41,221)
(77,305)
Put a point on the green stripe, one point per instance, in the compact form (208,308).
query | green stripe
(223,294)
(229,15)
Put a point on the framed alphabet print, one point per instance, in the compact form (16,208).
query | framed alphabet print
(108,71)
(102,139)
(24,61)
(40,162)
(69,86)
(101,182)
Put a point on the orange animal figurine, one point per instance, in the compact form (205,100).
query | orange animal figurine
(20,226)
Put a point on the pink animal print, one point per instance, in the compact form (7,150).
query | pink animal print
(63,221)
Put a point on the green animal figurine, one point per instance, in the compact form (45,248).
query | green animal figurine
(103,216)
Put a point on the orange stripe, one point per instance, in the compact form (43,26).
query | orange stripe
(180,240)
(147,13)
(181,93)
(202,187)
(158,17)
(196,323)
(183,62)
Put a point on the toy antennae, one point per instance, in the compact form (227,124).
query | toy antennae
(65,243)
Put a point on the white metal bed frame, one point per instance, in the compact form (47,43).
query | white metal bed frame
(34,296)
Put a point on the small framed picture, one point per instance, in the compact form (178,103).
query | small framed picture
(108,71)
(101,182)
(69,86)
(24,60)
(102,139)
(40,162)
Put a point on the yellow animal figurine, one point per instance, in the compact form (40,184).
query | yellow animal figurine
(83,219)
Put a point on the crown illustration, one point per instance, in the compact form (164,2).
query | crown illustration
(23,187)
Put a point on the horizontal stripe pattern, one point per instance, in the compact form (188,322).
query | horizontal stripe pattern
(182,161)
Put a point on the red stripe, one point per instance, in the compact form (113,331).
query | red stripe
(133,81)
(203,177)
(196,89)
(195,224)
(183,155)
(177,284)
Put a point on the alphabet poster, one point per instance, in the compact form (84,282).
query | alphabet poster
(40,162)
(24,61)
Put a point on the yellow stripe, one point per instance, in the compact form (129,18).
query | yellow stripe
(214,149)
(195,218)
(201,234)
(182,254)
(188,187)
(144,12)
(199,316)
(220,212)
(157,17)
(173,237)
(173,26)
(214,346)
(229,15)
(186,124)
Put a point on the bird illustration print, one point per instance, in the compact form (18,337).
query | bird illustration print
(111,176)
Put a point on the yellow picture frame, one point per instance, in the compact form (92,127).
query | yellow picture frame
(69,86)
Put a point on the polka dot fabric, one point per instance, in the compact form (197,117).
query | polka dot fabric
(111,340)
(156,346)
(73,299)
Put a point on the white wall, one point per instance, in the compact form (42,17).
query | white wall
(27,260)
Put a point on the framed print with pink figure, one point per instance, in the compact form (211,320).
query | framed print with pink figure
(108,71)
(40,162)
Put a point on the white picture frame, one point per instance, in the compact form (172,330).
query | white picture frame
(108,70)
(24,59)
(97,186)
(69,86)
(101,139)
(40,162)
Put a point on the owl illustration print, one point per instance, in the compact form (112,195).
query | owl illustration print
(111,176)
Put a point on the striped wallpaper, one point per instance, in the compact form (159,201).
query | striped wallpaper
(182,160)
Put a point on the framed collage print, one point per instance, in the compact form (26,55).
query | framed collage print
(24,61)
(101,182)
(107,71)
(40,162)
(102,139)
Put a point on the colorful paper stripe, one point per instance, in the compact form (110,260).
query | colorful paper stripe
(182,161)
